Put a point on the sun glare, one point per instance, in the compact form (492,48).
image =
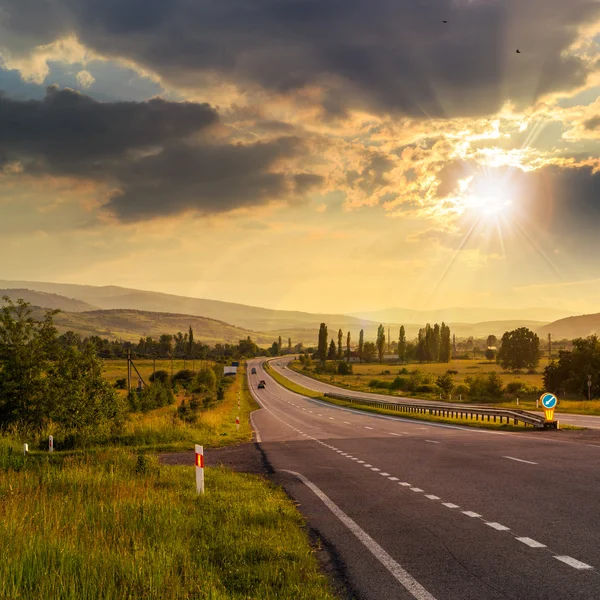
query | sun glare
(488,206)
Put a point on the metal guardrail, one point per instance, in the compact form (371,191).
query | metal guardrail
(453,411)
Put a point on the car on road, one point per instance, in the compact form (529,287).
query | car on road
(261,384)
(253,371)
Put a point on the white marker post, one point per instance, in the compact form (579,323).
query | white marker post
(25,449)
(199,469)
(50,444)
(237,423)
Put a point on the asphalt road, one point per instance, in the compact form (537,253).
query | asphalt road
(416,510)
(589,421)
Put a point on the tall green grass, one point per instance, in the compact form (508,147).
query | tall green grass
(113,525)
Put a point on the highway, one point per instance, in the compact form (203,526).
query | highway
(589,421)
(429,511)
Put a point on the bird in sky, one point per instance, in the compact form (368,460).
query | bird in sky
(444,21)
(518,52)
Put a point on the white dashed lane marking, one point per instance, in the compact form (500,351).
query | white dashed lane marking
(572,562)
(368,427)
(471,514)
(531,543)
(415,489)
(450,505)
(497,526)
(529,462)
(432,497)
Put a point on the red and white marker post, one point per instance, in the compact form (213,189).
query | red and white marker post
(237,423)
(199,469)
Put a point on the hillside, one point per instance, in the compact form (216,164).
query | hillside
(572,327)
(240,315)
(130,325)
(47,300)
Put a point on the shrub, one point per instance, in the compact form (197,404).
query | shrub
(155,396)
(386,372)
(462,390)
(426,388)
(344,368)
(121,384)
(400,383)
(377,383)
(183,377)
(403,371)
(451,372)
(159,376)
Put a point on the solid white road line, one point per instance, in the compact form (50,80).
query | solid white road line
(572,562)
(398,572)
(470,513)
(529,462)
(531,543)
(497,526)
(256,432)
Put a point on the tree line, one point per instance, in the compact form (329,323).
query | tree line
(433,344)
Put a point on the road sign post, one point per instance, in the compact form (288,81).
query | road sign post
(199,469)
(50,444)
(549,402)
(25,449)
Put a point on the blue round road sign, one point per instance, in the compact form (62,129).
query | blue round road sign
(549,400)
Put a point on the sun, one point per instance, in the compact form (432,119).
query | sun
(488,205)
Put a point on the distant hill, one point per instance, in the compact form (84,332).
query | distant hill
(47,300)
(464,315)
(573,327)
(130,325)
(241,315)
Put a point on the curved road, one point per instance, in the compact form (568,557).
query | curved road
(428,511)
(589,421)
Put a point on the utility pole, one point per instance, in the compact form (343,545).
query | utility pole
(389,338)
(128,370)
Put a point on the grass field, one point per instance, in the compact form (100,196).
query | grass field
(110,525)
(113,523)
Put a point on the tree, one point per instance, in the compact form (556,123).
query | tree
(402,345)
(348,347)
(289,345)
(445,344)
(380,342)
(520,349)
(490,354)
(279,346)
(340,350)
(190,348)
(361,344)
(322,347)
(26,348)
(435,355)
(491,341)
(369,351)
(446,384)
(332,353)
(570,373)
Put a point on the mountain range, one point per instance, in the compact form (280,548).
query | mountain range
(113,311)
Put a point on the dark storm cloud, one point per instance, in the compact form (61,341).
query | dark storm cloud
(148,152)
(386,55)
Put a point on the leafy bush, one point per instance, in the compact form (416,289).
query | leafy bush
(159,376)
(121,384)
(378,384)
(400,383)
(426,388)
(344,368)
(183,377)
(155,396)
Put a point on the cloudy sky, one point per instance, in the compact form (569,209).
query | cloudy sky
(320,155)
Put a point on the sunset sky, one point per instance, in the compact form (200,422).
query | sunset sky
(318,155)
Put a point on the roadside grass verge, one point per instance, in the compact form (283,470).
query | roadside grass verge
(160,430)
(113,525)
(359,383)
(294,387)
